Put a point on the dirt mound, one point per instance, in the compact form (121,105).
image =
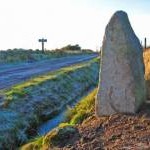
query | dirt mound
(115,132)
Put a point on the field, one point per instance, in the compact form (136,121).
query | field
(22,55)
(28,104)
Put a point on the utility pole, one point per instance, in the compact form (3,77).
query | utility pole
(42,41)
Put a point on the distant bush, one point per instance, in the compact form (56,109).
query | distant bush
(71,47)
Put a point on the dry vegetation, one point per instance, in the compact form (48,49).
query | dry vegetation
(146,56)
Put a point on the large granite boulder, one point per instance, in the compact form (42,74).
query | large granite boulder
(122,84)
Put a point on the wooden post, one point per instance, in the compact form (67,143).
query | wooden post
(145,43)
(42,41)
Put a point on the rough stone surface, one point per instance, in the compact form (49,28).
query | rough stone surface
(121,85)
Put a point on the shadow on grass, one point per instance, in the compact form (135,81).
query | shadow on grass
(145,108)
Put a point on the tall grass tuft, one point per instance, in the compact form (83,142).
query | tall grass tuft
(82,110)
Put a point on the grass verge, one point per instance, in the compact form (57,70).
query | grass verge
(40,98)
(83,109)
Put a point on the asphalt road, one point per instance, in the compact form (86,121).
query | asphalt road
(16,73)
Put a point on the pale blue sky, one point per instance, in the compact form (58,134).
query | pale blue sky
(64,22)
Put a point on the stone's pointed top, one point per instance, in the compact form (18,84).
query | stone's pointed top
(120,16)
(119,26)
(120,12)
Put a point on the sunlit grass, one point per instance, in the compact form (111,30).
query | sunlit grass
(146,56)
(82,110)
(36,144)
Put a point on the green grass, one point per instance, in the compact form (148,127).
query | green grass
(22,90)
(83,109)
(34,145)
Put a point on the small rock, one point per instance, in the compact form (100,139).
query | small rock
(61,137)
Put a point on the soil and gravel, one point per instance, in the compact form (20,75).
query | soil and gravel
(116,132)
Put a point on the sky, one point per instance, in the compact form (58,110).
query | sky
(63,22)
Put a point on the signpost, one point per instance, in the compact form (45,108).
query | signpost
(42,41)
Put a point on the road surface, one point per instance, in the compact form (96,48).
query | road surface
(14,74)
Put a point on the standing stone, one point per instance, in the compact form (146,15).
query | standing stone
(122,84)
